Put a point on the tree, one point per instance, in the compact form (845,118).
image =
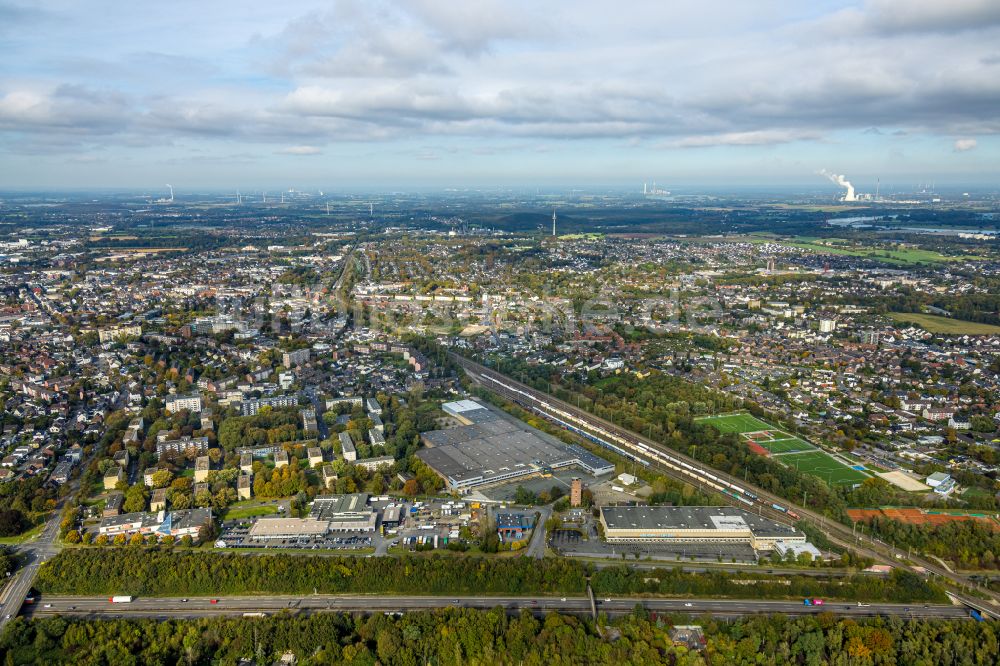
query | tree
(135,499)
(162,478)
(411,488)
(12,522)
(72,537)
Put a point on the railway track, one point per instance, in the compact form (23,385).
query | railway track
(684,468)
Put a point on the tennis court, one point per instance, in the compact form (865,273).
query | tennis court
(823,466)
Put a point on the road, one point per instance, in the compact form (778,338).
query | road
(536,548)
(101,607)
(837,533)
(33,553)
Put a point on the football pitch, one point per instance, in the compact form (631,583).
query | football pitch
(785,444)
(787,448)
(738,423)
(823,466)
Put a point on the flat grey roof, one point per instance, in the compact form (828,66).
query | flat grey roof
(494,446)
(692,518)
(337,507)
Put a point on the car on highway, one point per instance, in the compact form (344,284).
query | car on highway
(563,599)
(47,606)
(688,605)
(213,601)
(183,600)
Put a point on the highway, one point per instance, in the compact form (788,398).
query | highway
(101,607)
(33,553)
(543,403)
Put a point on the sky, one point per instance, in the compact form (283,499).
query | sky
(425,93)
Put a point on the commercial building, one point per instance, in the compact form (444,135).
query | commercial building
(187,522)
(694,524)
(345,513)
(514,526)
(269,528)
(392,517)
(941,482)
(493,447)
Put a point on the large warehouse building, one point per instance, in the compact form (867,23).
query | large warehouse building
(491,447)
(695,524)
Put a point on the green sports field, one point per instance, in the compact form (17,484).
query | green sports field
(786,444)
(738,423)
(787,448)
(824,466)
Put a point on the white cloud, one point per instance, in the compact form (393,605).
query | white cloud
(300,150)
(962,145)
(758,138)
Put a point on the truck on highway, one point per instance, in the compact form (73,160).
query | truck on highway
(976,615)
(813,602)
(121,599)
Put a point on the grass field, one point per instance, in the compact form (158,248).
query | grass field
(790,450)
(237,512)
(21,538)
(738,423)
(786,445)
(824,466)
(945,325)
(909,256)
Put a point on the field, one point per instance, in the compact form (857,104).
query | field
(945,325)
(738,423)
(248,511)
(754,430)
(905,257)
(786,444)
(915,516)
(824,466)
(787,449)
